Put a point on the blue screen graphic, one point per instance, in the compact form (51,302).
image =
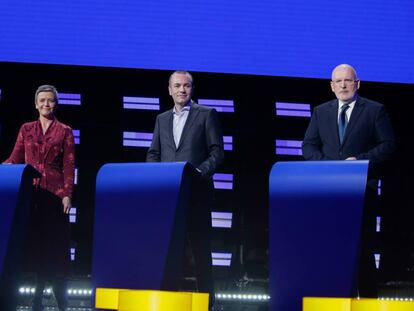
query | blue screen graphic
(268,37)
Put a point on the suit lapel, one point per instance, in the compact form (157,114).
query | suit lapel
(192,115)
(333,120)
(356,113)
(170,127)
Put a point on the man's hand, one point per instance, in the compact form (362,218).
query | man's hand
(67,204)
(350,159)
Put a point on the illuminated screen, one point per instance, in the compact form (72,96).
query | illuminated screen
(295,38)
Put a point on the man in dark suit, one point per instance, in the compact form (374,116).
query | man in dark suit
(353,128)
(190,132)
(367,136)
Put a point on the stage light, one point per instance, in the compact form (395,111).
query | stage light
(243,297)
(79,292)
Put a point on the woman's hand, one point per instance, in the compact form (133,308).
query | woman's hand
(67,204)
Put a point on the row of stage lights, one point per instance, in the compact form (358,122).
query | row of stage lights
(88,292)
(396,299)
(48,291)
(219,296)
(242,297)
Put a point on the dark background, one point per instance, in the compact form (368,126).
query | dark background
(254,126)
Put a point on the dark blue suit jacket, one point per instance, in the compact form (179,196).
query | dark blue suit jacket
(368,136)
(201,141)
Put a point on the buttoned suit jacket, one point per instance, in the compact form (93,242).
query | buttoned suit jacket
(368,136)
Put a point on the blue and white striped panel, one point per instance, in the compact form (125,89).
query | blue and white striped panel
(76,136)
(221,259)
(137,139)
(377,260)
(379,187)
(228,143)
(141,103)
(288,147)
(219,104)
(221,219)
(293,109)
(223,181)
(378,224)
(72,215)
(75,177)
(69,99)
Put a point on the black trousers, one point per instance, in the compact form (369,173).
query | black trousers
(199,234)
(368,274)
(48,246)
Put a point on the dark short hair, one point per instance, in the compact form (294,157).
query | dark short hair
(47,88)
(183,72)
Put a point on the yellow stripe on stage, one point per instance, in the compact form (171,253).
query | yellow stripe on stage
(149,300)
(348,304)
(106,298)
(326,304)
(381,305)
(199,301)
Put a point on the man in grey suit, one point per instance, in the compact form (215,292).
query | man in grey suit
(353,128)
(188,132)
(192,133)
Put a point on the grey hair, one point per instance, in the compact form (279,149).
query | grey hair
(47,88)
(345,66)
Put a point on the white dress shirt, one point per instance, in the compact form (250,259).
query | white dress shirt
(349,111)
(179,119)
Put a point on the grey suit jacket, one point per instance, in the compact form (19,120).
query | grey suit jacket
(368,136)
(201,142)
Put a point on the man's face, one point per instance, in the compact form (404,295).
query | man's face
(46,104)
(181,88)
(344,83)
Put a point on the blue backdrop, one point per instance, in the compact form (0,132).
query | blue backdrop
(268,37)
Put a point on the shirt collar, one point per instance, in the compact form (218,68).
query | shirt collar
(185,108)
(351,104)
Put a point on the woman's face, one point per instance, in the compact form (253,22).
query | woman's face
(46,104)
